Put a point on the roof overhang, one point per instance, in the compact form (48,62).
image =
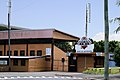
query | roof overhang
(22,57)
(37,34)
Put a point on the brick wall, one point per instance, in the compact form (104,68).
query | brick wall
(58,55)
(84,62)
(38,64)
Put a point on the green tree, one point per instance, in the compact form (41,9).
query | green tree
(65,46)
(99,46)
(114,47)
(117,56)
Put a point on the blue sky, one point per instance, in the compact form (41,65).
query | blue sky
(65,15)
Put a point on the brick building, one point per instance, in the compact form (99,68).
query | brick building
(33,50)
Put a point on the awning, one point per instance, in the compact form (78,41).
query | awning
(22,57)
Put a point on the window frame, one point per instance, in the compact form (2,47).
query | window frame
(32,52)
(15,62)
(21,52)
(23,62)
(8,53)
(0,53)
(39,54)
(15,53)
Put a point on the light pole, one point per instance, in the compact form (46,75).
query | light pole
(106,63)
(9,28)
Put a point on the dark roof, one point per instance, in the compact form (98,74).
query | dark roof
(24,33)
(35,34)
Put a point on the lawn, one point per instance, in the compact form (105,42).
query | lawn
(112,70)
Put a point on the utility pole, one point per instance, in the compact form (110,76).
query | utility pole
(86,21)
(9,28)
(106,63)
(87,16)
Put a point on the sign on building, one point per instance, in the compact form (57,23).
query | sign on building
(3,62)
(48,51)
(84,45)
(88,49)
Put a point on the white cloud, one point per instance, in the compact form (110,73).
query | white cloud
(112,36)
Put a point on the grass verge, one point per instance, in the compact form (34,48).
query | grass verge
(112,70)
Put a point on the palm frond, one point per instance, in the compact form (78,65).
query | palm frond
(117,19)
(118,2)
(118,29)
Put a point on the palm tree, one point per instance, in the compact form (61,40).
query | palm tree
(118,2)
(117,19)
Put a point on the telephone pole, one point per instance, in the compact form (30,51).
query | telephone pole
(9,28)
(106,64)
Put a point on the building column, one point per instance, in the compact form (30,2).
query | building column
(52,55)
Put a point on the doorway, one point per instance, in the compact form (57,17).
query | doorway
(72,63)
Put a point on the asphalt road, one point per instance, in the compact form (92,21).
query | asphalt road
(41,78)
(53,76)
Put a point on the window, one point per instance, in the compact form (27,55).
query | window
(15,62)
(0,53)
(32,53)
(15,53)
(23,63)
(22,53)
(8,53)
(39,53)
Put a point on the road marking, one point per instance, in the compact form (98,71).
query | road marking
(31,77)
(74,77)
(37,77)
(62,77)
(43,77)
(50,77)
(81,78)
(12,77)
(5,77)
(18,77)
(24,77)
(55,77)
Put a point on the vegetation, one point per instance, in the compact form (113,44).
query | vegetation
(114,47)
(99,46)
(117,56)
(65,46)
(112,70)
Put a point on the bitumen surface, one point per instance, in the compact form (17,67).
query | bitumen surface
(55,74)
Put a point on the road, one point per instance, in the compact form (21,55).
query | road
(53,76)
(40,78)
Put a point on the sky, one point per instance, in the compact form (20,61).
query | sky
(64,15)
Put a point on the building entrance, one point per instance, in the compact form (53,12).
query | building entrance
(72,67)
